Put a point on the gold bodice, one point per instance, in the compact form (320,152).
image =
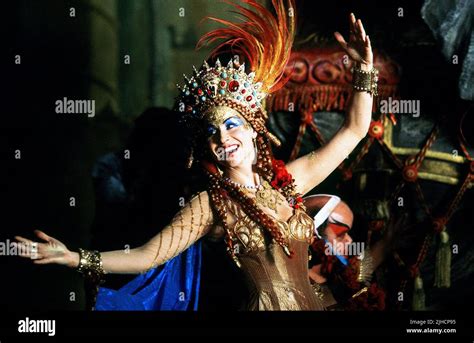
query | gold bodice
(276,281)
(250,237)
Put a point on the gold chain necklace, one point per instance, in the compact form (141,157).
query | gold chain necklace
(264,195)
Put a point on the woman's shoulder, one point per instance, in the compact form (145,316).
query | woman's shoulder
(200,198)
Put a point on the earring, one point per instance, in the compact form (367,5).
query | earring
(255,145)
(256,150)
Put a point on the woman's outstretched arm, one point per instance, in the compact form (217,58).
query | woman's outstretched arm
(188,225)
(313,168)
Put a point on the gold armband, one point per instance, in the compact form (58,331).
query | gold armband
(365,81)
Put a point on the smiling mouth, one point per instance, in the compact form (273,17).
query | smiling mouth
(231,149)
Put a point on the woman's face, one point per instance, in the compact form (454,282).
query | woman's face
(230,137)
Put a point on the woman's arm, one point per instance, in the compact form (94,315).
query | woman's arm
(188,225)
(313,168)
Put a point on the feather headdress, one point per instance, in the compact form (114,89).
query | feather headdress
(264,40)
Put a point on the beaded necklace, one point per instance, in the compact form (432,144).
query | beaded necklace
(264,195)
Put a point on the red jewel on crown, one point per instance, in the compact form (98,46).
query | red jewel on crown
(233,86)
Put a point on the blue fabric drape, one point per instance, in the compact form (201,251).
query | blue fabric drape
(172,287)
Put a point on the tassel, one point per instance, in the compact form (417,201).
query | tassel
(273,139)
(418,303)
(443,262)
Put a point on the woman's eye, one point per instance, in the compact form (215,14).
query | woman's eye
(211,131)
(233,122)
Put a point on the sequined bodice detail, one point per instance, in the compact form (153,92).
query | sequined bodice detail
(250,236)
(276,281)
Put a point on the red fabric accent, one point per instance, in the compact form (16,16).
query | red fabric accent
(319,80)
(281,176)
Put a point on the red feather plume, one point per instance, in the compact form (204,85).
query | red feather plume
(263,39)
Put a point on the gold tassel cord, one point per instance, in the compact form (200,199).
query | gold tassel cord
(418,303)
(443,262)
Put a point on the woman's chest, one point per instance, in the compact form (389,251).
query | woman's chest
(250,237)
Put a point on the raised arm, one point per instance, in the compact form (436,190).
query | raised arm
(311,169)
(192,222)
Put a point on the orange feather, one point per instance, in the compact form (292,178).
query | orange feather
(263,39)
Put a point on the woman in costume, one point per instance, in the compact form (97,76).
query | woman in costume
(253,201)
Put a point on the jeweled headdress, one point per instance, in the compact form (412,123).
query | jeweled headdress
(221,85)
(264,41)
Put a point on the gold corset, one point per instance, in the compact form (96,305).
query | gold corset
(249,236)
(275,281)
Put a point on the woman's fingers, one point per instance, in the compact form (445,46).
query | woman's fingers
(23,240)
(361,30)
(352,26)
(44,261)
(51,251)
(26,248)
(42,235)
(30,249)
(340,39)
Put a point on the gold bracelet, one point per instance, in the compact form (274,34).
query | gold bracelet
(365,81)
(90,265)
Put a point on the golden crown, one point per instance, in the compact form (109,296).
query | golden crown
(211,86)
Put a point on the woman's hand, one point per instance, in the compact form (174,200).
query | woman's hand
(52,251)
(358,48)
